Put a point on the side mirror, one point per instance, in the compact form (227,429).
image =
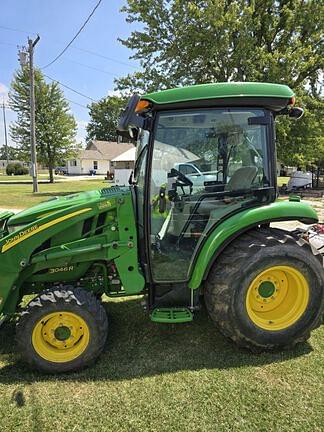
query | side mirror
(129,118)
(296,113)
(131,135)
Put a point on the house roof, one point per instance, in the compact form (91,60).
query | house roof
(91,154)
(128,155)
(107,149)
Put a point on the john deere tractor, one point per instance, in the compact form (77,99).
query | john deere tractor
(193,225)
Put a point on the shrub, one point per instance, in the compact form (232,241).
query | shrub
(16,169)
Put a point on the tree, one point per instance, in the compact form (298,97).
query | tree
(55,126)
(104,116)
(13,153)
(301,143)
(184,42)
(196,41)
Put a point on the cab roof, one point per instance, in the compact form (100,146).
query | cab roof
(217,91)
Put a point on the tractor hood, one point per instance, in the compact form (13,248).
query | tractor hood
(59,203)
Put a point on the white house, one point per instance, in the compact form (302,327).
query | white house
(123,166)
(96,157)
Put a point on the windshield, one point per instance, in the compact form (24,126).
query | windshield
(218,145)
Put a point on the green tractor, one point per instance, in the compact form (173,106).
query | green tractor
(193,223)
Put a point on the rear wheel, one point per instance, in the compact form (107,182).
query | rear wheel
(265,291)
(62,330)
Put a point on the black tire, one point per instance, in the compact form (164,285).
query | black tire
(77,301)
(238,265)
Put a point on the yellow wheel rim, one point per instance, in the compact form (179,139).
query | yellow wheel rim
(277,298)
(60,336)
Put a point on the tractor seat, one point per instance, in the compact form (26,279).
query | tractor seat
(242,178)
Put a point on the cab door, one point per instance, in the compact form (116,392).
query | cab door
(232,153)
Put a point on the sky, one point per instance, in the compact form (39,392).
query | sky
(56,22)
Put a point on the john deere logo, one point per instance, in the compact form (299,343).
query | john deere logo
(28,232)
(18,237)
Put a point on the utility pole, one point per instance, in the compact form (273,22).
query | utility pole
(31,45)
(5,131)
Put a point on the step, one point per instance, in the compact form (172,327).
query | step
(171,315)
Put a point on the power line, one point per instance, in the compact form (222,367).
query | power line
(92,67)
(77,103)
(16,30)
(76,48)
(105,57)
(7,43)
(77,34)
(70,88)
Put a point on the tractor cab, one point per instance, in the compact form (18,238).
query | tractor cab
(204,154)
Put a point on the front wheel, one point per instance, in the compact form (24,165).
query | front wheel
(62,330)
(265,292)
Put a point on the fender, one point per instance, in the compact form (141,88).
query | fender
(224,233)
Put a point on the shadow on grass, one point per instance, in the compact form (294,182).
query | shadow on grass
(137,347)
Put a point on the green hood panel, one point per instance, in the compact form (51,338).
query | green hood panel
(220,90)
(59,240)
(240,222)
(60,203)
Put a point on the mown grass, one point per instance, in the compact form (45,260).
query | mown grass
(160,378)
(154,377)
(19,196)
(25,177)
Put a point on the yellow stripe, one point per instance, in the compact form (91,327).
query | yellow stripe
(9,245)
(46,214)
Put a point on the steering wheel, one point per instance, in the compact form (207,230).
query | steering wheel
(183,178)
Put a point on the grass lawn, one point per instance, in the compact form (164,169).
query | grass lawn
(155,377)
(21,196)
(159,378)
(26,177)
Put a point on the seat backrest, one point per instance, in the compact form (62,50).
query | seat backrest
(242,178)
